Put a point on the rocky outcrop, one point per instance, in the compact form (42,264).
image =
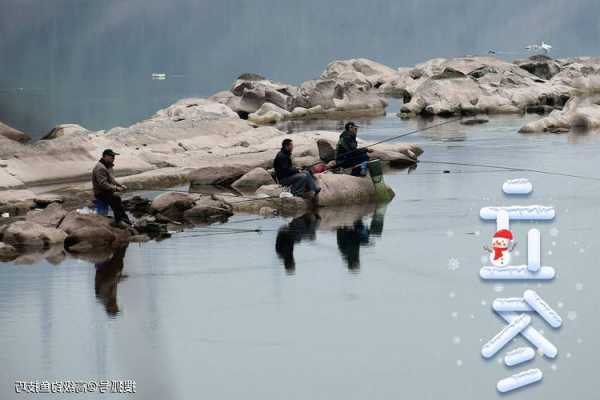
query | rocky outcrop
(49,217)
(253,179)
(30,234)
(472,85)
(64,130)
(172,205)
(346,88)
(13,134)
(208,210)
(91,230)
(581,113)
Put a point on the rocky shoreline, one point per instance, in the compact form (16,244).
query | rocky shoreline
(228,140)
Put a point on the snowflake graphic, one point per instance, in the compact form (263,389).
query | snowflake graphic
(554,232)
(453,264)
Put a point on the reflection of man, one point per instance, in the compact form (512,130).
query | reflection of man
(108,276)
(351,238)
(299,228)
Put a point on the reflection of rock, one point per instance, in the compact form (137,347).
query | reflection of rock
(7,252)
(30,234)
(108,275)
(55,254)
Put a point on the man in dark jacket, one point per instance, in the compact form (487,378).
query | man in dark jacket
(348,155)
(302,183)
(105,186)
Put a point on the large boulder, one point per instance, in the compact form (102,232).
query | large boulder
(208,210)
(13,134)
(269,113)
(172,205)
(50,217)
(30,234)
(91,230)
(578,113)
(540,65)
(254,179)
(340,189)
(65,130)
(217,175)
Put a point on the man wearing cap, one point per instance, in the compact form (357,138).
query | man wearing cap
(105,186)
(348,155)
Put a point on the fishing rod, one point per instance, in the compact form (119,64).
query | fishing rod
(391,139)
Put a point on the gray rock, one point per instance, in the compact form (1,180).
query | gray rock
(254,179)
(208,210)
(172,205)
(50,217)
(30,234)
(65,130)
(13,134)
(217,175)
(93,230)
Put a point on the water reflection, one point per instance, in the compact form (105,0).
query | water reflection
(300,228)
(108,275)
(351,238)
(348,223)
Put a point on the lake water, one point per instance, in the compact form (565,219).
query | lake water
(356,303)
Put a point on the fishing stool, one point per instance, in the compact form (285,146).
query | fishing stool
(101,207)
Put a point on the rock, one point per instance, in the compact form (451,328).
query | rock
(269,113)
(139,239)
(474,121)
(218,175)
(64,130)
(172,205)
(539,109)
(50,217)
(340,189)
(137,205)
(13,134)
(15,196)
(255,178)
(268,212)
(92,229)
(7,252)
(195,109)
(43,200)
(540,65)
(579,112)
(30,234)
(208,210)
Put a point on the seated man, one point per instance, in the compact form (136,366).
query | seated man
(105,186)
(348,155)
(302,183)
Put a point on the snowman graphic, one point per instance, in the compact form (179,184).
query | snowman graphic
(502,245)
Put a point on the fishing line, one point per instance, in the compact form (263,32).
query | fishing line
(538,171)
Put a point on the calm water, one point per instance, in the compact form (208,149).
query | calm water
(91,62)
(356,303)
